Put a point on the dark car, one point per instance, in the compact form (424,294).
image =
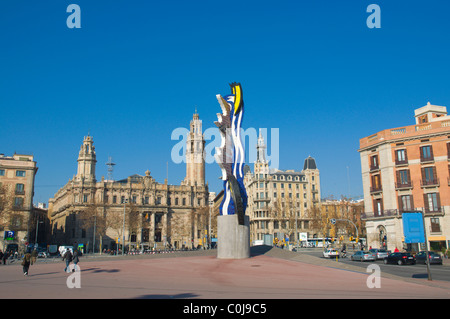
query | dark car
(434,257)
(400,259)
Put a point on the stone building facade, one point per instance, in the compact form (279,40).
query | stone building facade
(17,175)
(144,212)
(407,169)
(279,201)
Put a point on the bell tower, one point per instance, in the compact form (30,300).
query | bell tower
(86,161)
(261,164)
(195,151)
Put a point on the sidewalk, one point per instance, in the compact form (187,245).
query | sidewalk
(270,273)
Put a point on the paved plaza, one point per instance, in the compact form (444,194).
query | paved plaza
(270,273)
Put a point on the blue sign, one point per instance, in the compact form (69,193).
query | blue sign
(9,235)
(413,228)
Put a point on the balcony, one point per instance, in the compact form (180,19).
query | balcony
(401,162)
(429,159)
(434,182)
(376,189)
(373,168)
(381,214)
(407,185)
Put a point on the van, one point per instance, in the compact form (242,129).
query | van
(62,249)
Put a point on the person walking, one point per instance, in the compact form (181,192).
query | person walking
(5,257)
(34,255)
(26,263)
(75,259)
(68,257)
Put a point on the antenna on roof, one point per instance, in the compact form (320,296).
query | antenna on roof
(110,165)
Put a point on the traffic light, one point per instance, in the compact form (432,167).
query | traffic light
(351,238)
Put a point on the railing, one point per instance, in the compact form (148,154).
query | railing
(376,189)
(429,183)
(398,213)
(404,131)
(426,159)
(382,214)
(404,185)
(403,162)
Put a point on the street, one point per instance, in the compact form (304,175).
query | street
(438,272)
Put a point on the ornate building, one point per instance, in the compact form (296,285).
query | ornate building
(17,215)
(279,201)
(94,214)
(407,169)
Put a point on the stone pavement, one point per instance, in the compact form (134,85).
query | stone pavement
(270,273)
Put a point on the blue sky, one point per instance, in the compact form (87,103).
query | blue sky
(136,70)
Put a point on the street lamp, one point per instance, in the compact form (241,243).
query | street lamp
(37,229)
(123,230)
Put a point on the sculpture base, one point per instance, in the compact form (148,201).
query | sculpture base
(233,239)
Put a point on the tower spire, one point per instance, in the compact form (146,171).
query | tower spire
(86,160)
(195,148)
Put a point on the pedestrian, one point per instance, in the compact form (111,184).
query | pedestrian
(75,259)
(5,257)
(34,254)
(68,257)
(26,263)
(396,250)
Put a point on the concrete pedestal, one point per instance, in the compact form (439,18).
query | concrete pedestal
(233,239)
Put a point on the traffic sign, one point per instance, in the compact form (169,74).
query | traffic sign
(333,221)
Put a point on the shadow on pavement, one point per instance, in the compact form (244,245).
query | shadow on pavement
(259,250)
(178,296)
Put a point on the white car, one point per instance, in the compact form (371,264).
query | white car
(330,253)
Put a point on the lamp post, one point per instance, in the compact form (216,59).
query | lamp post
(37,229)
(123,230)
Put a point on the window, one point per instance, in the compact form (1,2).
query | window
(20,189)
(432,202)
(376,183)
(85,198)
(20,173)
(435,226)
(400,157)
(374,162)
(405,203)
(403,178)
(2,172)
(429,176)
(426,153)
(184,201)
(114,199)
(378,207)
(18,202)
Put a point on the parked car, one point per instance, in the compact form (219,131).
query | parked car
(379,253)
(434,257)
(400,259)
(330,253)
(363,256)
